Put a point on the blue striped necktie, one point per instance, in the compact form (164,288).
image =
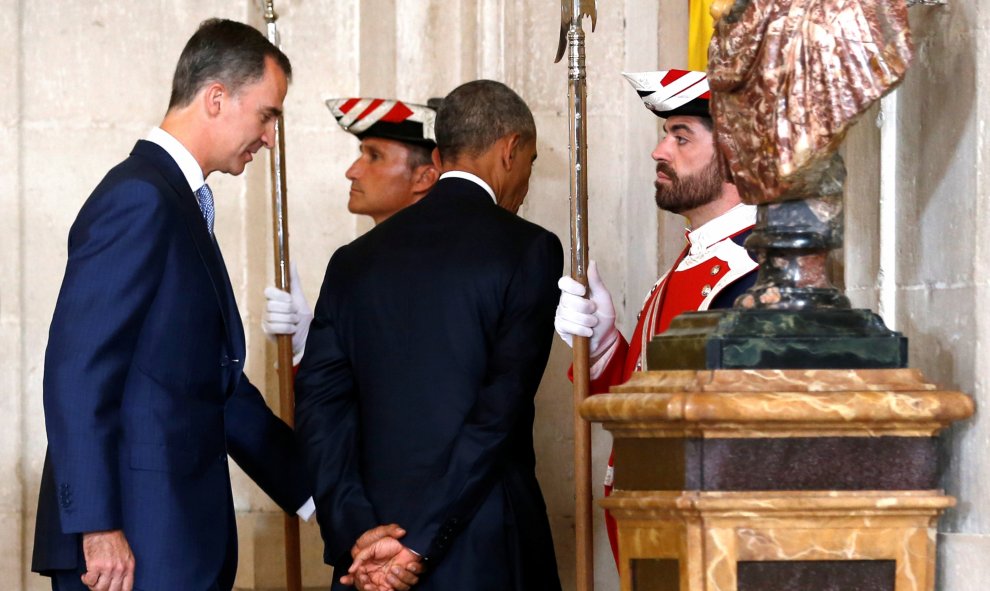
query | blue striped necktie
(205,197)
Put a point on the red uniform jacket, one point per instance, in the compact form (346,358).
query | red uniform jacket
(711,272)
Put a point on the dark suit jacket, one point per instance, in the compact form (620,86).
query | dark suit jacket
(144,391)
(415,395)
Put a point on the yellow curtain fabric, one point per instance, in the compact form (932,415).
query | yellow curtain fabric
(700,29)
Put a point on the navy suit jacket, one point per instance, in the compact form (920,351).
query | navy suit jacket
(144,391)
(415,395)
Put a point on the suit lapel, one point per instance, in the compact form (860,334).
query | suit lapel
(206,246)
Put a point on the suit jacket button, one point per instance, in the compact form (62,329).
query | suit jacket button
(224,361)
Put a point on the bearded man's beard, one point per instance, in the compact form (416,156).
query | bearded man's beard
(686,193)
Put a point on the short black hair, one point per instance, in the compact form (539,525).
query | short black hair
(223,51)
(477,114)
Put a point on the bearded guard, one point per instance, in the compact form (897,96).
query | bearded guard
(712,270)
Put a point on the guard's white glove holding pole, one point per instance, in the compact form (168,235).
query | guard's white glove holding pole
(288,313)
(586,317)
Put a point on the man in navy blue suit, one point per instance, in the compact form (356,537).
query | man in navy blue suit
(415,394)
(144,391)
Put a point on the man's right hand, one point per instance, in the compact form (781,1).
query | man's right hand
(371,536)
(593,316)
(109,561)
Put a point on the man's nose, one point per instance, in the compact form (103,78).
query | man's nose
(661,153)
(352,171)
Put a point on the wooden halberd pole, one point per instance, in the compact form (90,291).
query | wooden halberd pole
(280,226)
(572,37)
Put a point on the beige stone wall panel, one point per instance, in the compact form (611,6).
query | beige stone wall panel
(962,563)
(82,55)
(429,33)
(634,179)
(12,550)
(944,270)
(940,188)
(861,247)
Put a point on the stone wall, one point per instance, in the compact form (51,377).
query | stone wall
(943,293)
(939,280)
(83,80)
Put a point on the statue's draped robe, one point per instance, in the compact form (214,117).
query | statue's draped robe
(788,78)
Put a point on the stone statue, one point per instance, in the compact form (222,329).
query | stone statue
(789,77)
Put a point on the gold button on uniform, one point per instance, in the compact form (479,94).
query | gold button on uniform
(716,269)
(706,290)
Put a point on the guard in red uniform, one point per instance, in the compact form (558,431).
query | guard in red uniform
(712,270)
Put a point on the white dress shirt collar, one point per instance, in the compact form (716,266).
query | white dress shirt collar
(460,174)
(183,157)
(728,224)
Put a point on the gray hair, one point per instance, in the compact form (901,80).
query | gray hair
(477,114)
(418,155)
(224,51)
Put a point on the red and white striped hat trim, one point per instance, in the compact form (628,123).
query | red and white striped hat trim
(668,90)
(356,115)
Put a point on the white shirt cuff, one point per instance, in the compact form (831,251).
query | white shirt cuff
(306,511)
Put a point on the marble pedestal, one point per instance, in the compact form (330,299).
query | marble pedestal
(777,480)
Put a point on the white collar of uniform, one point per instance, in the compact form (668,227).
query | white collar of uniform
(460,174)
(729,223)
(183,157)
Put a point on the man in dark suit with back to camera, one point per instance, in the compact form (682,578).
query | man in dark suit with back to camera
(144,390)
(430,337)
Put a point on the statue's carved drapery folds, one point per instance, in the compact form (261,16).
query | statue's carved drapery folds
(790,76)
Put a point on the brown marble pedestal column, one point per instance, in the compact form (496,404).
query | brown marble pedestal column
(777,480)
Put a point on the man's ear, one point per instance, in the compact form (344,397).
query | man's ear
(509,145)
(424,177)
(436,158)
(213,97)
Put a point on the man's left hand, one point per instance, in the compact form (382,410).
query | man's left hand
(109,561)
(383,563)
(288,313)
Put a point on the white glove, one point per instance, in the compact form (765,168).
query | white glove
(586,317)
(288,313)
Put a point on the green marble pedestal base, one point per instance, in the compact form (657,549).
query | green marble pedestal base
(777,339)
